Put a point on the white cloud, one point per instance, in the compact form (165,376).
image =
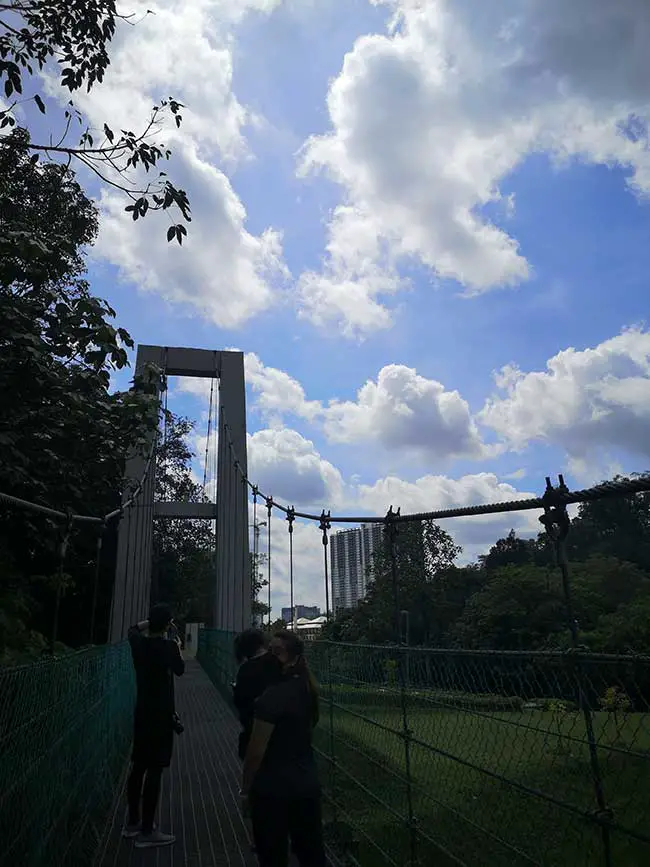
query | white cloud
(403,410)
(431,493)
(585,401)
(428,120)
(287,466)
(223,272)
(277,392)
(345,294)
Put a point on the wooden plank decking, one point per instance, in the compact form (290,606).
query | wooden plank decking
(199,802)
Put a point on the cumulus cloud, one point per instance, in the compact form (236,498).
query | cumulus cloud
(287,466)
(429,119)
(345,294)
(585,401)
(403,410)
(223,272)
(278,393)
(430,493)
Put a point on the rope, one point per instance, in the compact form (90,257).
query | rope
(269,508)
(254,570)
(640,484)
(207,439)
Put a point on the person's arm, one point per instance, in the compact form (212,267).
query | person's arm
(177,661)
(257,745)
(135,632)
(269,709)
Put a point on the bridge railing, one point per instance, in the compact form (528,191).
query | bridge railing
(65,728)
(478,757)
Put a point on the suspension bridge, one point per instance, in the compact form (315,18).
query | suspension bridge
(421,750)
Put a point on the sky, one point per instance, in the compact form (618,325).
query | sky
(424,222)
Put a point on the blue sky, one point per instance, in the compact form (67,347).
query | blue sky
(425,204)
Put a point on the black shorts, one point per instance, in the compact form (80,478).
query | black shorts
(153,744)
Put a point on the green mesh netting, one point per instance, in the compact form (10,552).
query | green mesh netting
(216,655)
(477,758)
(65,731)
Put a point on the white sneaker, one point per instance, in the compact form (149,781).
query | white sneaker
(153,840)
(131,831)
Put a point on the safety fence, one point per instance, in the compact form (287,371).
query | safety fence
(65,729)
(452,757)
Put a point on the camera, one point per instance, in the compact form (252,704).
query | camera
(177,725)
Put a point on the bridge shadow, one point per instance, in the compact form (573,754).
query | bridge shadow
(199,802)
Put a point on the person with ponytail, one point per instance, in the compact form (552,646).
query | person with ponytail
(280,783)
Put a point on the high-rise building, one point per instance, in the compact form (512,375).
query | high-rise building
(308,611)
(350,558)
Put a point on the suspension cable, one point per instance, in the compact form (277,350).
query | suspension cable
(207,439)
(254,569)
(325,527)
(269,509)
(290,518)
(613,488)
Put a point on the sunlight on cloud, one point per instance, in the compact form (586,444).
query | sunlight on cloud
(222,272)
(585,401)
(428,121)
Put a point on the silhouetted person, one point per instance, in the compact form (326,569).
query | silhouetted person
(156,660)
(280,779)
(258,670)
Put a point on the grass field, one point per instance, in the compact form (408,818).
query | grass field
(471,764)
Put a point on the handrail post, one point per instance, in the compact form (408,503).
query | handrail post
(557,524)
(391,530)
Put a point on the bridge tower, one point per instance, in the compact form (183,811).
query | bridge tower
(132,587)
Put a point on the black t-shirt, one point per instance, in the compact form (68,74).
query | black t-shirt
(156,660)
(254,676)
(288,768)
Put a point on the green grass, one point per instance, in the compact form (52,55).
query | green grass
(465,754)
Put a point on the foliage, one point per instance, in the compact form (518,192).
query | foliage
(513,598)
(183,550)
(63,433)
(423,553)
(76,36)
(259,609)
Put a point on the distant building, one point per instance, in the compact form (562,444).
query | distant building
(309,612)
(308,630)
(351,556)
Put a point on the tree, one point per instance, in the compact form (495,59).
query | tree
(259,609)
(183,550)
(77,36)
(617,527)
(63,434)
(513,551)
(519,608)
(423,551)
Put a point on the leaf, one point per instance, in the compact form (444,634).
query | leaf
(171,232)
(108,132)
(39,102)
